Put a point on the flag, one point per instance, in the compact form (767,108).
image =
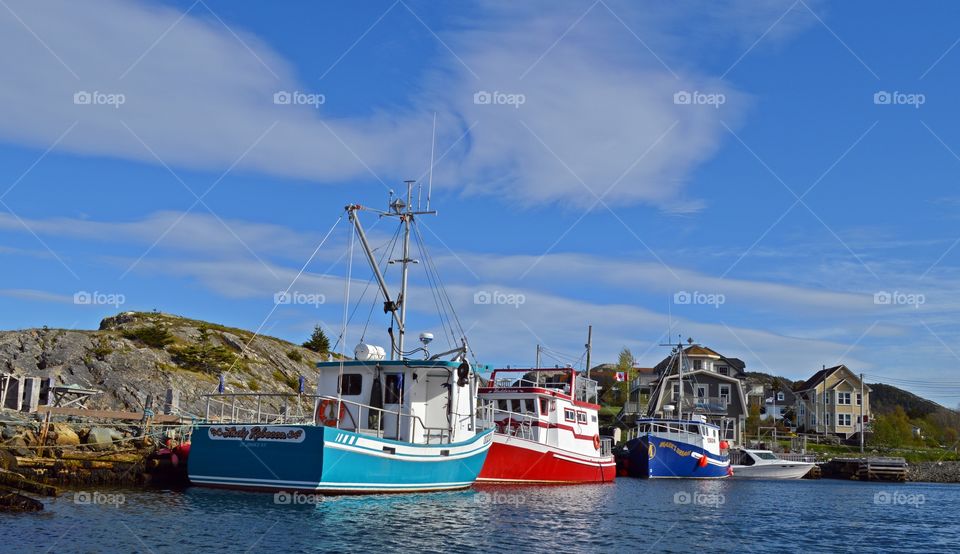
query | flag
(621,376)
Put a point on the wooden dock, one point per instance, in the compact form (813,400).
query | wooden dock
(866,469)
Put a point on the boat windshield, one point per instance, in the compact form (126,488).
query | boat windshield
(766,455)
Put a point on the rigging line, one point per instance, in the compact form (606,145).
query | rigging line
(435,287)
(346,308)
(287,291)
(456,317)
(387,254)
(444,319)
(369,282)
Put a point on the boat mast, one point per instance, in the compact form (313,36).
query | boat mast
(680,378)
(406,215)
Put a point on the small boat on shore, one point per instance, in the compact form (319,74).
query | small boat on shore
(764,464)
(546,428)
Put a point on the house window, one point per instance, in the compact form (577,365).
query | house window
(801,410)
(676,390)
(826,418)
(697,364)
(843,420)
(826,397)
(569,414)
(813,419)
(581,417)
(723,370)
(780,397)
(859,399)
(351,384)
(701,392)
(724,394)
(394,388)
(843,398)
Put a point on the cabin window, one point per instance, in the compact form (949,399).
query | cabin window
(544,406)
(393,392)
(529,406)
(351,384)
(695,429)
(593,418)
(502,405)
(569,414)
(515,405)
(581,417)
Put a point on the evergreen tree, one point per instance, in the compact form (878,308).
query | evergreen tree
(318,342)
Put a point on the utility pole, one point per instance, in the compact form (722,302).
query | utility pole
(862,426)
(589,346)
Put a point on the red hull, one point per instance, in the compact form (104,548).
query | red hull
(518,460)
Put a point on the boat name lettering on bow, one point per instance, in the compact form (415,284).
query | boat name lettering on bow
(256,433)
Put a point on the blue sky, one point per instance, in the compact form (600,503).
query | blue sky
(811,178)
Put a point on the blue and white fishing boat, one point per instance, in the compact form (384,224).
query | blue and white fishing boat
(374,425)
(675,447)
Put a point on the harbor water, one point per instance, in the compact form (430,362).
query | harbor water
(629,516)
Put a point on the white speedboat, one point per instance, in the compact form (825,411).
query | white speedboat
(764,464)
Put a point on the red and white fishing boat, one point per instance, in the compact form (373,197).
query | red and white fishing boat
(546,428)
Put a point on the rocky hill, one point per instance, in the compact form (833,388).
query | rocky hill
(135,354)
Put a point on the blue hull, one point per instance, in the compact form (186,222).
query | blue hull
(328,460)
(652,457)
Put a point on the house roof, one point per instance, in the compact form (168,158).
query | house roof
(822,375)
(697,350)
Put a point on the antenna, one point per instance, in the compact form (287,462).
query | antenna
(433,143)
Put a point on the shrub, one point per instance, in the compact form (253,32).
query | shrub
(152,335)
(295,356)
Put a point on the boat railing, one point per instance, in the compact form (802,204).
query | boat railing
(606,446)
(507,422)
(513,383)
(676,430)
(269,410)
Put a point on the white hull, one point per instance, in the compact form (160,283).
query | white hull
(776,470)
